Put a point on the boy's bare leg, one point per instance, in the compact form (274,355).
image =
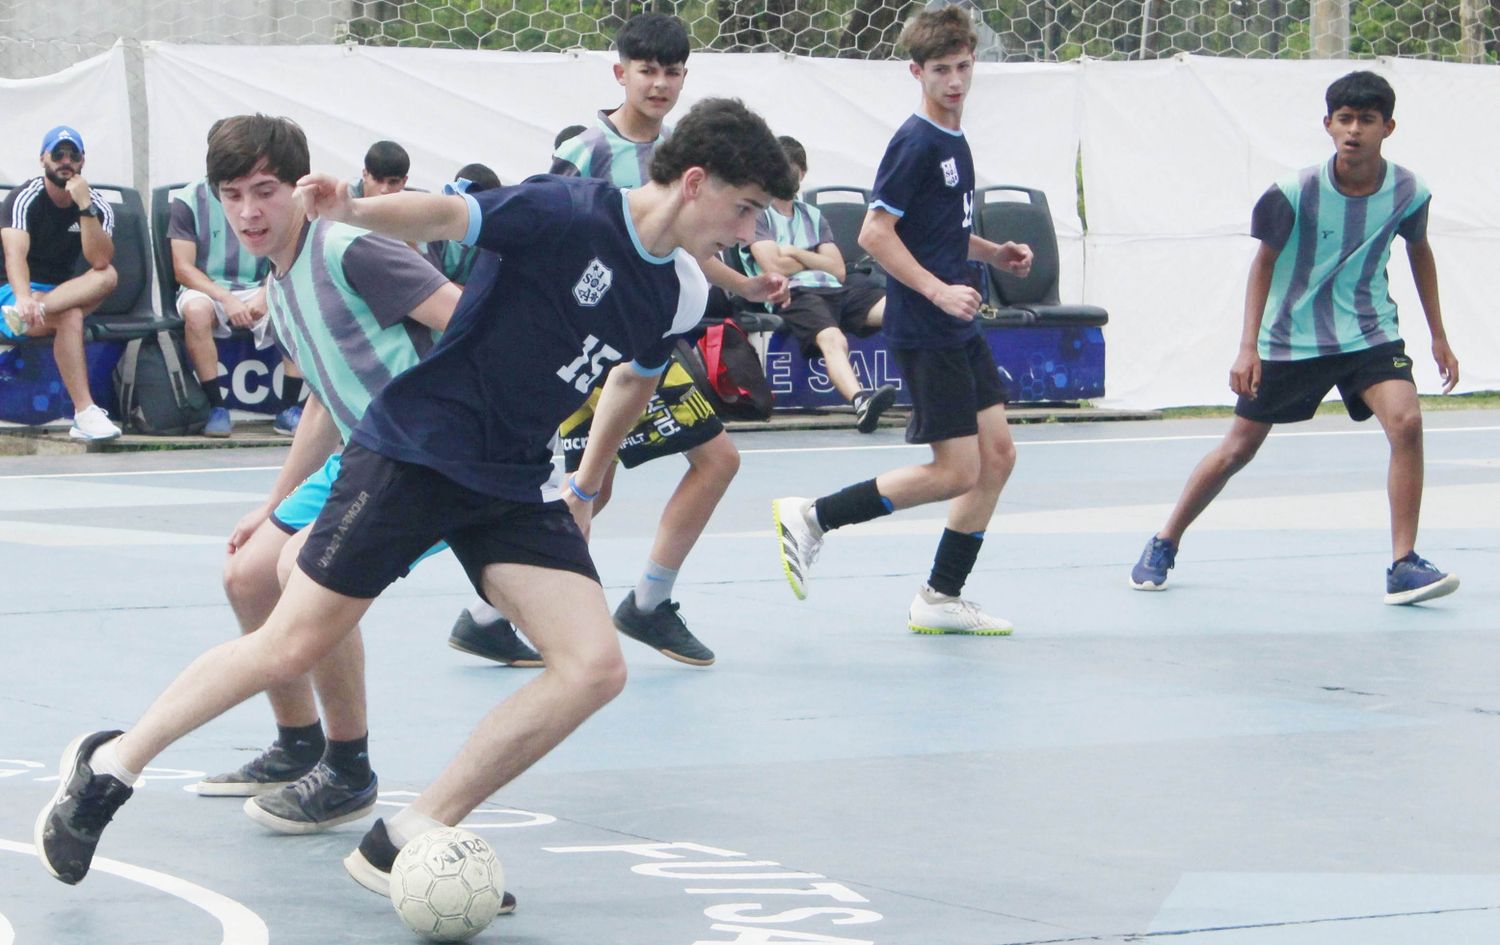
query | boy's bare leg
(67,305)
(307,623)
(339,677)
(1208,478)
(972,511)
(835,348)
(1400,414)
(711,468)
(198,337)
(566,617)
(253,587)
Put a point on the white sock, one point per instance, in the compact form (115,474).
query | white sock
(483,613)
(106,760)
(655,586)
(408,825)
(810,516)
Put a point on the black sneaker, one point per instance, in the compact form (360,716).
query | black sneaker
(321,800)
(370,865)
(271,770)
(496,641)
(663,630)
(68,828)
(868,409)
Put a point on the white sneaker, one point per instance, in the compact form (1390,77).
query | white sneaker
(954,615)
(93,424)
(798,540)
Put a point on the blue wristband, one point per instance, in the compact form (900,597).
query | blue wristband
(573,484)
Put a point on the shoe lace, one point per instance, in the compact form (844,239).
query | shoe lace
(97,804)
(1159,554)
(310,786)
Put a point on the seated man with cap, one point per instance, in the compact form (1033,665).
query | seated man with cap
(46,224)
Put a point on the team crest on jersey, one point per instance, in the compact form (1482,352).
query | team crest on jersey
(594,282)
(950,172)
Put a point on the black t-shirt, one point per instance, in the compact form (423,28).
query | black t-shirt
(56,242)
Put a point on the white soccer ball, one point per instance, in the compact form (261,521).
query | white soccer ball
(447,884)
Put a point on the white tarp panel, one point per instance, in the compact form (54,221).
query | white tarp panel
(90,96)
(1175,154)
(450,107)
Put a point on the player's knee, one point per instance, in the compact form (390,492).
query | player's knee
(197,317)
(719,458)
(956,476)
(244,579)
(1237,454)
(832,343)
(595,677)
(1404,428)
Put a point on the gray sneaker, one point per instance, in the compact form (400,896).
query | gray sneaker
(321,800)
(496,641)
(271,770)
(370,865)
(67,830)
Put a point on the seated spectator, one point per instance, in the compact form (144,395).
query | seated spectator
(386,167)
(221,286)
(454,259)
(792,238)
(46,225)
(572,131)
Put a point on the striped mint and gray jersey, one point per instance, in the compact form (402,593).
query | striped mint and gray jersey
(604,153)
(340,312)
(198,217)
(1329,292)
(805,229)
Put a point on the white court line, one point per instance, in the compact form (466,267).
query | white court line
(241,926)
(7,934)
(1375,431)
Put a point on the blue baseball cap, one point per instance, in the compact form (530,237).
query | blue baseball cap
(60,134)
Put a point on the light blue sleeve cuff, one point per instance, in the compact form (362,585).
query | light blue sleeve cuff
(461,188)
(882,205)
(644,371)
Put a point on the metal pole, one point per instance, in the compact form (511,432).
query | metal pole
(1330,29)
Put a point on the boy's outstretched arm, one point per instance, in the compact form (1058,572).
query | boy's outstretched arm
(878,237)
(1244,374)
(1424,273)
(622,401)
(407,216)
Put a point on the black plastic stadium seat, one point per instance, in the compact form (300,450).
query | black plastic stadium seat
(844,208)
(1032,301)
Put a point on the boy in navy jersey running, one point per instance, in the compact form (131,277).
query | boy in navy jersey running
(919,229)
(581,281)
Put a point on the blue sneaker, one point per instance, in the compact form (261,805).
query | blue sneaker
(1150,573)
(286,421)
(1414,579)
(218,423)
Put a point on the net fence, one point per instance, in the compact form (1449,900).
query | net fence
(38,36)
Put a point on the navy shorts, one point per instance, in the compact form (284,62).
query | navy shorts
(949,387)
(382,514)
(1291,391)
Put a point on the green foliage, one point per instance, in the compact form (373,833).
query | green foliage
(1025,30)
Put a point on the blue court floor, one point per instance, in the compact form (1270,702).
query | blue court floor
(1262,755)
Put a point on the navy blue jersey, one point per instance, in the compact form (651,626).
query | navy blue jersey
(926,178)
(574,295)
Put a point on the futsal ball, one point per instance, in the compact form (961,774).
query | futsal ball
(446,885)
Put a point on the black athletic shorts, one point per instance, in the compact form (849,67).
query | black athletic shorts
(678,418)
(383,513)
(1292,390)
(813,310)
(949,387)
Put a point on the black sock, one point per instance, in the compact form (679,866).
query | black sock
(304,743)
(859,398)
(955,558)
(852,505)
(350,759)
(211,391)
(291,391)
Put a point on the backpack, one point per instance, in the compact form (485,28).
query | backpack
(156,396)
(734,381)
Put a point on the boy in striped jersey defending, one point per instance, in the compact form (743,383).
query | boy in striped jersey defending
(792,238)
(1318,315)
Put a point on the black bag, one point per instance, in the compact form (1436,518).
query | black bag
(735,383)
(157,397)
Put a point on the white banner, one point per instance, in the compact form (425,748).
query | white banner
(89,96)
(1175,154)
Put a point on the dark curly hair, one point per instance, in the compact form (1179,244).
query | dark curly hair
(729,141)
(238,145)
